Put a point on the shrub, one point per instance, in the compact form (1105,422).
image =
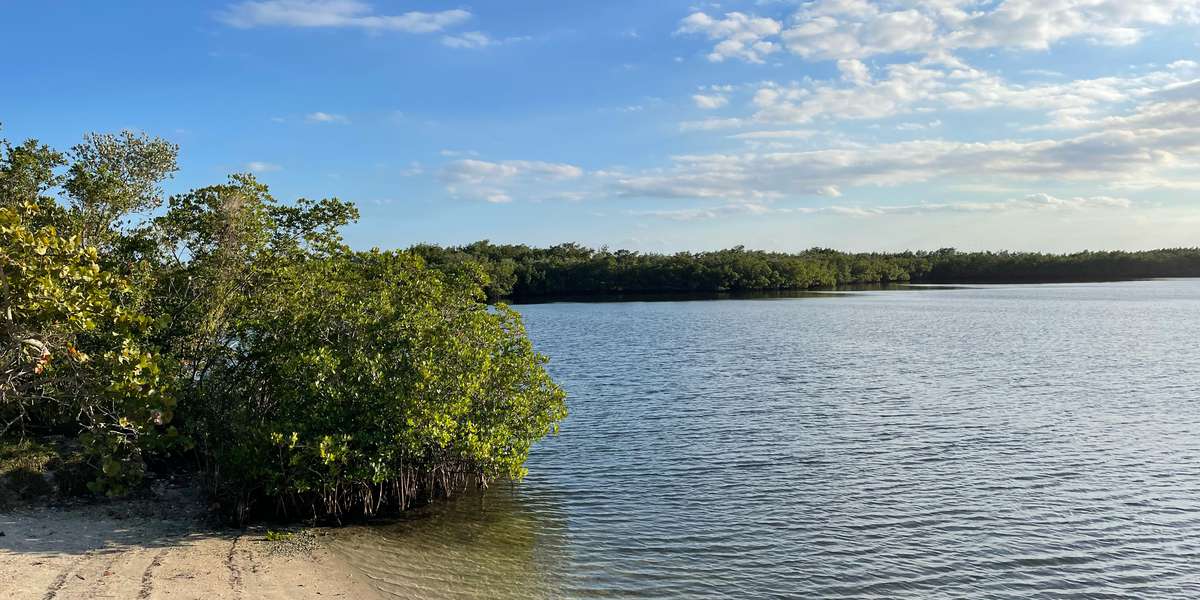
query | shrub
(70,352)
(312,378)
(365,380)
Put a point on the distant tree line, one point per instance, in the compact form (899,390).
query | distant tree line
(520,271)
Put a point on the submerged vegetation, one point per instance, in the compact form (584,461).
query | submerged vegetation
(223,329)
(519,271)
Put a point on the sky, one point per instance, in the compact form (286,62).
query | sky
(1049,125)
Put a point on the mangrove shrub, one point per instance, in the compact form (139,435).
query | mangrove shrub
(223,327)
(366,380)
(71,351)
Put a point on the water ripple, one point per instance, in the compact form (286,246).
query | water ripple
(997,442)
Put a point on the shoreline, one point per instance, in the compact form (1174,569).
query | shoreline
(787,293)
(163,547)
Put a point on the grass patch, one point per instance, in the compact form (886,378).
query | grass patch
(23,468)
(279,536)
(32,469)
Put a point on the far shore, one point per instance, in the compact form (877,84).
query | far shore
(161,546)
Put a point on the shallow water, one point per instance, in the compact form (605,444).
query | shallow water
(990,442)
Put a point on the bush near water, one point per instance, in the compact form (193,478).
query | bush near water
(223,329)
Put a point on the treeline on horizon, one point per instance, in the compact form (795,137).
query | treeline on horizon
(520,271)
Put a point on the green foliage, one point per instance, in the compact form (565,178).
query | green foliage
(27,172)
(33,469)
(364,379)
(279,536)
(305,376)
(569,269)
(113,177)
(457,387)
(324,380)
(70,349)
(73,344)
(22,468)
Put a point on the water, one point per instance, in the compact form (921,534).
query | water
(992,442)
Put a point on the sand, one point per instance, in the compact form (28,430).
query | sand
(161,549)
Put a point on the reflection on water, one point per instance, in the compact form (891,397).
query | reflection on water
(739,295)
(991,442)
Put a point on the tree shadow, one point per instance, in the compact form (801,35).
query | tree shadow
(168,517)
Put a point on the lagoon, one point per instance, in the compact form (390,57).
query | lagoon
(1007,441)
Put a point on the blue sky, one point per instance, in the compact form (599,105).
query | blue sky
(983,124)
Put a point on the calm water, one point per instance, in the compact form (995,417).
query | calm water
(993,442)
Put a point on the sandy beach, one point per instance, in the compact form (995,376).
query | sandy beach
(159,548)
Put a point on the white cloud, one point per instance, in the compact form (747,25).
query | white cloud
(785,134)
(470,39)
(710,101)
(1154,144)
(856,29)
(854,71)
(1041,200)
(1043,73)
(939,85)
(480,171)
(1037,24)
(905,87)
(495,182)
(324,117)
(474,40)
(831,191)
(737,35)
(697,214)
(711,124)
(919,126)
(336,13)
(262,167)
(839,29)
(1038,202)
(1135,132)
